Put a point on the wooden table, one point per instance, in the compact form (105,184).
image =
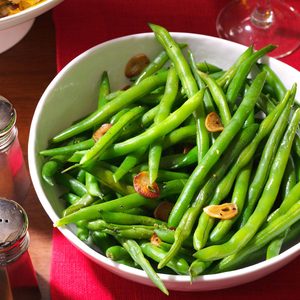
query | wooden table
(25,71)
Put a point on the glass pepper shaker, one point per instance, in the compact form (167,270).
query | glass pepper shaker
(14,178)
(18,278)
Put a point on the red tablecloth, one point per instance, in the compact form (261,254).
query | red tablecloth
(81,25)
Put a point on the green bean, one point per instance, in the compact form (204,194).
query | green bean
(197,268)
(243,70)
(116,253)
(205,222)
(116,117)
(244,234)
(188,82)
(287,203)
(93,212)
(128,97)
(71,183)
(297,145)
(127,132)
(250,119)
(207,67)
(81,224)
(176,56)
(167,235)
(51,167)
(76,156)
(136,253)
(102,240)
(81,176)
(297,167)
(265,163)
(176,161)
(129,162)
(159,130)
(165,107)
(151,99)
(110,136)
(104,89)
(289,181)
(171,139)
(105,165)
(265,104)
(188,159)
(92,185)
(238,198)
(217,75)
(214,153)
(185,253)
(128,262)
(208,103)
(275,228)
(156,64)
(184,228)
(135,233)
(226,78)
(178,135)
(218,97)
(124,218)
(69,149)
(122,204)
(82,233)
(149,116)
(172,187)
(177,264)
(279,90)
(70,198)
(105,177)
(100,224)
(114,95)
(274,81)
(163,175)
(275,245)
(84,201)
(289,178)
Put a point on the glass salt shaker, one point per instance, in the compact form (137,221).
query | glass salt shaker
(17,276)
(14,178)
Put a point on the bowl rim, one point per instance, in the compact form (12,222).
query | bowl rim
(39,6)
(83,247)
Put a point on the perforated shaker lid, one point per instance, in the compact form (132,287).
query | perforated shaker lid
(7,116)
(13,224)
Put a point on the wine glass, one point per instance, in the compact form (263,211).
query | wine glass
(261,22)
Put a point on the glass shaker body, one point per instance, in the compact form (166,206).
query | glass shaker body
(18,278)
(14,178)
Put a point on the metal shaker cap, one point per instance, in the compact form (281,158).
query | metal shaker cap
(13,231)
(8,116)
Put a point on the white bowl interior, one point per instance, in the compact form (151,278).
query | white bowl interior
(73,93)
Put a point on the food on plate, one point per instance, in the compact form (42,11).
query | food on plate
(11,7)
(133,190)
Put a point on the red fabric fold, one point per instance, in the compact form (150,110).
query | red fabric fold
(76,277)
(84,24)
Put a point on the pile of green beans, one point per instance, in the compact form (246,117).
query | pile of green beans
(157,127)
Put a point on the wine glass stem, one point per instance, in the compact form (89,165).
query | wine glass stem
(262,16)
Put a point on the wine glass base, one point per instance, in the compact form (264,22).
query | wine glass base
(235,23)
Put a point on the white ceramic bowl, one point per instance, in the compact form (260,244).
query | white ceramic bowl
(72,94)
(14,27)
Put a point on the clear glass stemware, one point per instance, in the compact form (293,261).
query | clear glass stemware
(259,23)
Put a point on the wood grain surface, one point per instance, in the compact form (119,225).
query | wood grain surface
(25,71)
